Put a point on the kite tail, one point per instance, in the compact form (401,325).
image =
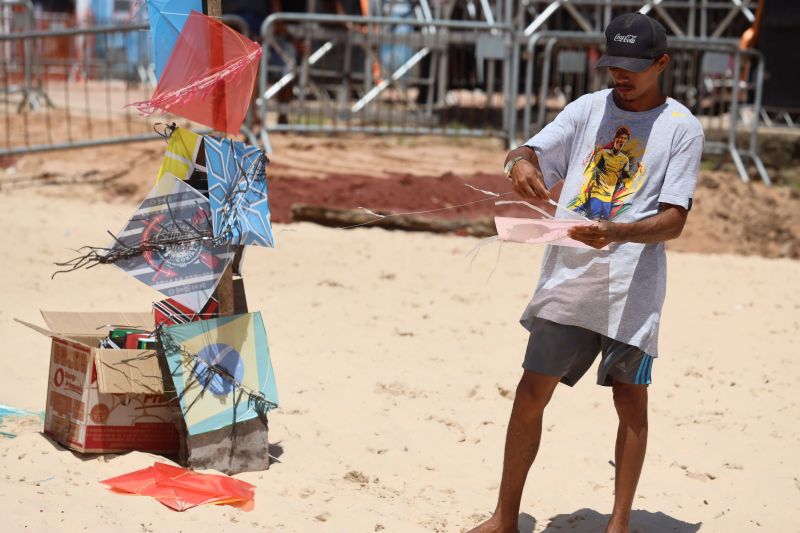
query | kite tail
(92,256)
(167,100)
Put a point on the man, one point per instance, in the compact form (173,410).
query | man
(605,299)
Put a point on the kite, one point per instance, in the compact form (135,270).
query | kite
(181,489)
(167,18)
(237,185)
(538,231)
(209,77)
(221,370)
(168,244)
(185,158)
(550,225)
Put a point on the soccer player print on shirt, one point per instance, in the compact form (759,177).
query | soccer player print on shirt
(613,173)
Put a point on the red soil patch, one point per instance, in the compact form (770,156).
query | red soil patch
(395,194)
(728,216)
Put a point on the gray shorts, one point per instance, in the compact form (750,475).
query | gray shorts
(568,352)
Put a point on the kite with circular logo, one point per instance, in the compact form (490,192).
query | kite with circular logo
(221,370)
(168,244)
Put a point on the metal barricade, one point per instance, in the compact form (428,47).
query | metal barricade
(80,81)
(69,88)
(780,117)
(17,16)
(709,77)
(409,76)
(381,75)
(701,19)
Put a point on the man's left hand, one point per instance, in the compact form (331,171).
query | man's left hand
(597,235)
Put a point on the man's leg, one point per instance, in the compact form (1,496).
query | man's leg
(522,443)
(631,404)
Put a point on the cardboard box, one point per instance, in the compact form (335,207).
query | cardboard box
(104,400)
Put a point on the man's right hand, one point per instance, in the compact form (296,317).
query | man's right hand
(528,181)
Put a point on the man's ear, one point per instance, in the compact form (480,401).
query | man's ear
(662,62)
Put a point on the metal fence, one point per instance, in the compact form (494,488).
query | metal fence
(68,88)
(382,75)
(16,15)
(701,19)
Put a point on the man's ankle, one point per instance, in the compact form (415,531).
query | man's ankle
(618,523)
(506,519)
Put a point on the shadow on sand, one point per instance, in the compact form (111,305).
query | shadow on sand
(590,521)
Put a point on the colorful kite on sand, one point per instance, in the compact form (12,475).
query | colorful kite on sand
(181,489)
(209,77)
(237,185)
(221,370)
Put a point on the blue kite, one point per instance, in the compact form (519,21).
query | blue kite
(237,187)
(167,18)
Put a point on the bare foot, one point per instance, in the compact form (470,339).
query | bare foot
(494,525)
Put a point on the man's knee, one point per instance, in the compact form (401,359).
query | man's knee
(536,389)
(630,401)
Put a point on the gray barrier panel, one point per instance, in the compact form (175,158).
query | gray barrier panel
(375,75)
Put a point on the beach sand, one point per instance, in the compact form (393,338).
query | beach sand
(397,360)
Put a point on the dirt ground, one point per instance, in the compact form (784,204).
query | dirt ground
(397,355)
(391,174)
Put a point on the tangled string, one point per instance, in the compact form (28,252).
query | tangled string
(167,345)
(91,256)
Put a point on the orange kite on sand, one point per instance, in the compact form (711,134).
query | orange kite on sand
(182,489)
(209,77)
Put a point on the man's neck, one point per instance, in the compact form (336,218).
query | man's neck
(646,102)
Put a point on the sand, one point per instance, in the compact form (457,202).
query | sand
(396,361)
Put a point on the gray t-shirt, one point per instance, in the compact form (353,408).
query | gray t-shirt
(616,165)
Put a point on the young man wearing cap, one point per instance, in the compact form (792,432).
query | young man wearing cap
(627,157)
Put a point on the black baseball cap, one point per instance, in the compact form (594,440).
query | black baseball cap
(633,42)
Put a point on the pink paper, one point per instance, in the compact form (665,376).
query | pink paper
(538,231)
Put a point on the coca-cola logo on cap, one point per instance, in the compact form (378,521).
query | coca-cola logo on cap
(625,38)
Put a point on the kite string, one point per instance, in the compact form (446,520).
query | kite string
(528,205)
(425,211)
(570,212)
(491,195)
(95,255)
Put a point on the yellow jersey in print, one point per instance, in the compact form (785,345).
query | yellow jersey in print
(605,170)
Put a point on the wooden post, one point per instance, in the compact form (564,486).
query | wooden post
(225,287)
(217,57)
(241,446)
